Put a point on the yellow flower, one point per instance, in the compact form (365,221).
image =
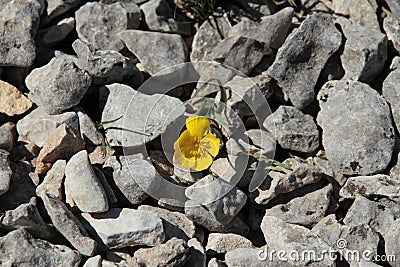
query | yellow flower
(194,148)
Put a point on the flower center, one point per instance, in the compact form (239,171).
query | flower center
(196,147)
(196,141)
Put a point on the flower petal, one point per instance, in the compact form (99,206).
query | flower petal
(210,144)
(197,125)
(184,162)
(185,143)
(202,163)
(184,148)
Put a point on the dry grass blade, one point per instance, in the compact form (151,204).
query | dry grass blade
(198,10)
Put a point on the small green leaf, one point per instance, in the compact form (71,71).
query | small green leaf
(223,92)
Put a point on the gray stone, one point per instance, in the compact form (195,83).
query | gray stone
(230,169)
(132,130)
(63,143)
(68,198)
(173,253)
(246,257)
(346,239)
(161,17)
(265,83)
(244,93)
(378,216)
(93,262)
(58,7)
(200,215)
(361,237)
(105,66)
(6,140)
(99,155)
(133,175)
(367,186)
(219,197)
(68,225)
(307,210)
(38,125)
(240,53)
(59,85)
(280,235)
(357,135)
(293,130)
(19,23)
(329,229)
(98,24)
(391,25)
(391,92)
(3,3)
(8,136)
(394,7)
(263,140)
(35,178)
(119,228)
(12,101)
(52,182)
(209,34)
(56,33)
(364,53)
(238,168)
(301,174)
(217,263)
(88,130)
(222,243)
(321,161)
(395,63)
(359,11)
(21,189)
(186,176)
(392,237)
(175,224)
(5,172)
(302,57)
(83,185)
(107,263)
(19,248)
(169,51)
(271,30)
(27,217)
